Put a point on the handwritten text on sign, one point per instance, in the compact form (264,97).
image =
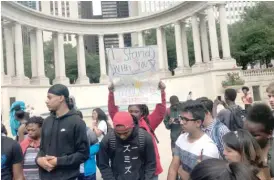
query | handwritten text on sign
(133,72)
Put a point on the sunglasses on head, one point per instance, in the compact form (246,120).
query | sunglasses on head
(186,119)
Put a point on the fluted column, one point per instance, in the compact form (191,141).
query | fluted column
(5,79)
(33,51)
(20,74)
(213,34)
(196,40)
(204,39)
(2,56)
(61,77)
(40,78)
(159,34)
(185,46)
(121,40)
(9,51)
(165,50)
(55,46)
(141,40)
(103,77)
(81,61)
(224,33)
(179,46)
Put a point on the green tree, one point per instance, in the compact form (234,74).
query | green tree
(252,38)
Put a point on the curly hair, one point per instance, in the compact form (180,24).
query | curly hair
(35,120)
(261,113)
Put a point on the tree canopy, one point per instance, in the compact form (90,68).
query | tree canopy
(252,38)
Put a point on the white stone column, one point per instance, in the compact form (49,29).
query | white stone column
(141,40)
(165,51)
(5,79)
(196,40)
(184,46)
(204,39)
(179,46)
(2,55)
(55,45)
(213,34)
(61,79)
(19,56)
(224,33)
(40,78)
(121,40)
(9,51)
(103,78)
(33,50)
(161,54)
(81,61)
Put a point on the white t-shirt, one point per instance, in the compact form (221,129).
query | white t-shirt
(191,153)
(104,128)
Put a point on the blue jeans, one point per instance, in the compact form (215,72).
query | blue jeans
(155,178)
(90,177)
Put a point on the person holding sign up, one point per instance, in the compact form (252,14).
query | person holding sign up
(148,122)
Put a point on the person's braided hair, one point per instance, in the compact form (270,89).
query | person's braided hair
(35,120)
(145,112)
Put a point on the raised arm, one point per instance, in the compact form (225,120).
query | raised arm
(157,116)
(112,108)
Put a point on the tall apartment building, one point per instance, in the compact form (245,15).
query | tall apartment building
(110,9)
(67,9)
(36,5)
(234,10)
(56,8)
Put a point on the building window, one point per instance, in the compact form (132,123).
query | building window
(63,3)
(65,37)
(51,6)
(256,93)
(56,4)
(40,6)
(69,37)
(68,14)
(63,14)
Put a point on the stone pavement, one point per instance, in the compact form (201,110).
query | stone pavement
(164,149)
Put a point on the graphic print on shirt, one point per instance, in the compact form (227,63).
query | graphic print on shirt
(3,161)
(129,159)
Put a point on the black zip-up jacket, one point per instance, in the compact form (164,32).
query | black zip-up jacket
(127,162)
(65,138)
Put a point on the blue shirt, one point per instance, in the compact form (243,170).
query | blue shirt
(221,132)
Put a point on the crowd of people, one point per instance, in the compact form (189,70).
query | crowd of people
(207,143)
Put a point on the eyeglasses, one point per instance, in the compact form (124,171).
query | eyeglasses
(186,119)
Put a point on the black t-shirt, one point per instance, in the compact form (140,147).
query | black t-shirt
(11,153)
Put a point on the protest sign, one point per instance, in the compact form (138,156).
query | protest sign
(133,70)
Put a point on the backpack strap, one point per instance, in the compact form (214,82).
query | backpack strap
(142,141)
(112,141)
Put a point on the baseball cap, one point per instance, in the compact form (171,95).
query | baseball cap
(123,119)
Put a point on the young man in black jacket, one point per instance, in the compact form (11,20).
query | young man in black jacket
(130,150)
(64,145)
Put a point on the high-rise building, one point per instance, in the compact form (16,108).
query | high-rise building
(67,9)
(36,5)
(234,10)
(109,9)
